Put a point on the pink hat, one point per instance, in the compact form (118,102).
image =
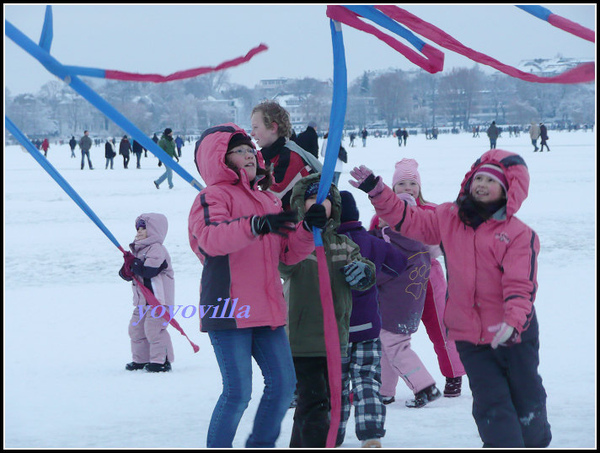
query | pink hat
(494,172)
(406,169)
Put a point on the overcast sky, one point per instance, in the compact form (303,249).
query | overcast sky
(167,38)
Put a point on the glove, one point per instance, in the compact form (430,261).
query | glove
(274,223)
(137,267)
(366,181)
(125,272)
(315,217)
(408,198)
(357,273)
(504,332)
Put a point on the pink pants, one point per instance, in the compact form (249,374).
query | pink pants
(399,360)
(150,341)
(433,320)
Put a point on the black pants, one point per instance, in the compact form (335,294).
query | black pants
(311,418)
(509,400)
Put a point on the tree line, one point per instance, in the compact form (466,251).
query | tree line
(460,98)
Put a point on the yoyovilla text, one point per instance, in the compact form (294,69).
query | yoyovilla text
(221,311)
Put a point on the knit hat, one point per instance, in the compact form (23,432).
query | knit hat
(349,210)
(312,124)
(406,169)
(239,139)
(312,189)
(494,172)
(167,131)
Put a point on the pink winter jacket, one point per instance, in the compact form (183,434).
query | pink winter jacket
(154,254)
(240,284)
(492,271)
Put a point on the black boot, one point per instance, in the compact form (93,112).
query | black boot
(132,366)
(158,367)
(425,396)
(453,387)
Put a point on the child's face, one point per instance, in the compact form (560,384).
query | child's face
(243,156)
(141,234)
(262,135)
(312,200)
(408,186)
(485,189)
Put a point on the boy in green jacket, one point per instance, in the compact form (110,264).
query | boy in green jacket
(347,270)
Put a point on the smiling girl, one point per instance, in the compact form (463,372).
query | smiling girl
(491,262)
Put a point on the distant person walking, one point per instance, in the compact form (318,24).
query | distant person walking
(137,150)
(85,143)
(364,134)
(46,145)
(167,144)
(109,154)
(73,144)
(124,150)
(534,134)
(543,137)
(179,143)
(493,133)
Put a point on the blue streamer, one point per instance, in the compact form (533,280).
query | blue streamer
(14,130)
(47,33)
(373,14)
(65,74)
(336,117)
(536,10)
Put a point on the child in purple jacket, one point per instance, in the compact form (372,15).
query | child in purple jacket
(362,366)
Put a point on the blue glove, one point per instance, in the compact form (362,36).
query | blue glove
(357,273)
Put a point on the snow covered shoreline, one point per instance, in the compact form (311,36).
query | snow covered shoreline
(66,310)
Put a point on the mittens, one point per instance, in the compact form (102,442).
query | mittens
(357,273)
(504,333)
(366,181)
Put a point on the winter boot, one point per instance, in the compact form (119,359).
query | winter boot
(427,395)
(388,400)
(132,366)
(453,387)
(371,443)
(158,367)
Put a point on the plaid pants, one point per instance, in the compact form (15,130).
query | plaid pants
(361,367)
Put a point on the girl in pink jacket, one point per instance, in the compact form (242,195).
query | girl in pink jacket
(240,234)
(491,261)
(407,179)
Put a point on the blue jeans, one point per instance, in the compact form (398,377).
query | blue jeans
(168,175)
(234,350)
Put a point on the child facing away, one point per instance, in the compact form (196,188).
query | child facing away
(151,345)
(347,270)
(401,301)
(407,179)
(362,365)
(240,234)
(491,259)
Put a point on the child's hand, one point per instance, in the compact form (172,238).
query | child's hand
(125,272)
(274,223)
(357,273)
(366,180)
(316,216)
(504,332)
(405,196)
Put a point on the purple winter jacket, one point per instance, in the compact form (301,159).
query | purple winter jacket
(365,320)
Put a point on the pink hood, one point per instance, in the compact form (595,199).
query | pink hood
(516,173)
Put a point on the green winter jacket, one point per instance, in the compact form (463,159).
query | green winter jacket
(301,282)
(167,145)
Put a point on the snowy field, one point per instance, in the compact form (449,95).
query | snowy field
(66,310)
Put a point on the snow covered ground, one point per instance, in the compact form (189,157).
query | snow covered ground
(66,310)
